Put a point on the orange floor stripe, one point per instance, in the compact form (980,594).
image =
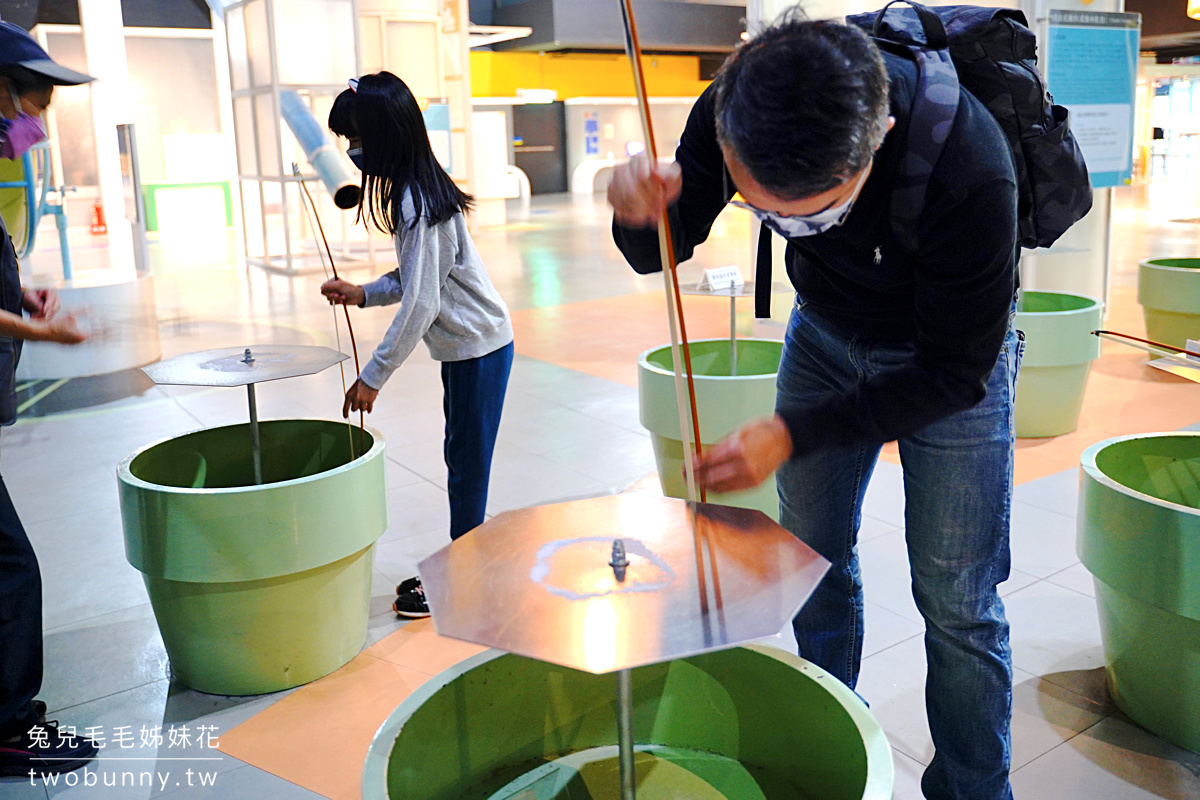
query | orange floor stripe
(337,716)
(605,337)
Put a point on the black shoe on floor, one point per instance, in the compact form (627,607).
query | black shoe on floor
(46,751)
(407,586)
(411,604)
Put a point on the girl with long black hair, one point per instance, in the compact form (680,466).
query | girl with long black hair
(445,295)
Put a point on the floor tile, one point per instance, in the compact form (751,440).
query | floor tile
(1056,635)
(21,789)
(415,509)
(80,590)
(1112,760)
(1075,577)
(1046,715)
(893,682)
(419,647)
(885,494)
(1043,542)
(908,777)
(883,629)
(1058,493)
(886,579)
(102,656)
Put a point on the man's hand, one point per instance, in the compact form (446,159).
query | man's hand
(746,457)
(359,397)
(63,330)
(40,303)
(641,191)
(344,292)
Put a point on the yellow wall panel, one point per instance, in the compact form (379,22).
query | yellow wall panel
(582,74)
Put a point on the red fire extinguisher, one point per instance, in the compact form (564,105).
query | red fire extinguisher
(98,224)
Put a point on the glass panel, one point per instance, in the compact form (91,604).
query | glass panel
(243,124)
(239,58)
(258,41)
(305,60)
(412,50)
(268,134)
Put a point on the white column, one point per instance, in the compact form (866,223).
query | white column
(104,44)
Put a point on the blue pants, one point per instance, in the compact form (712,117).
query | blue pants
(957,490)
(472,401)
(20,623)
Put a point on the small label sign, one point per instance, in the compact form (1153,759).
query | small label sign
(721,278)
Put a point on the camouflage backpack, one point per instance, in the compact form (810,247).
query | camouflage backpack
(992,54)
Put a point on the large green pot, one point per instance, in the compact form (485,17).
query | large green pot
(1139,536)
(1169,291)
(751,723)
(257,588)
(1059,351)
(724,402)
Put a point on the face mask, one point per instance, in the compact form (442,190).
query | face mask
(20,134)
(796,227)
(356,157)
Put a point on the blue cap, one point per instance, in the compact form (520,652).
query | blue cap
(18,48)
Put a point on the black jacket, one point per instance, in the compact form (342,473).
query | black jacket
(951,298)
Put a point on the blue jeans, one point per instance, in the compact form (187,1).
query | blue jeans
(957,490)
(472,399)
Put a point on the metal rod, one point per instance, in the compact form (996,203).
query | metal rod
(666,246)
(625,731)
(733,334)
(255,442)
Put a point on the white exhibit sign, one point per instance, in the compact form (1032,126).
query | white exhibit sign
(718,278)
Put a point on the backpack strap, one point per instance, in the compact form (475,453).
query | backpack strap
(930,121)
(762,274)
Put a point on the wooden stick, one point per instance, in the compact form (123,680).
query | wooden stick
(1169,347)
(362,425)
(666,246)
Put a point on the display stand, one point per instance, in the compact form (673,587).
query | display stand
(234,366)
(733,293)
(613,583)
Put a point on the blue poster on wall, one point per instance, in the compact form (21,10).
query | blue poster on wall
(436,113)
(1091,69)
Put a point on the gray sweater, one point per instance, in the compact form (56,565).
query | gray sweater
(445,297)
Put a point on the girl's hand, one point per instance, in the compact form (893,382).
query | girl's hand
(359,397)
(344,292)
(746,457)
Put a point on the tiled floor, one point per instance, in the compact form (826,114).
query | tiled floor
(570,430)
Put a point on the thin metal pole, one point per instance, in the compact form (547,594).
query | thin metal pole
(625,731)
(255,442)
(732,334)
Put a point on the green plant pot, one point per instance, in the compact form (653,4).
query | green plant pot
(257,588)
(1139,536)
(1059,350)
(1169,291)
(751,723)
(723,401)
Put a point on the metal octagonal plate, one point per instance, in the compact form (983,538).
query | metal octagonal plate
(228,366)
(701,577)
